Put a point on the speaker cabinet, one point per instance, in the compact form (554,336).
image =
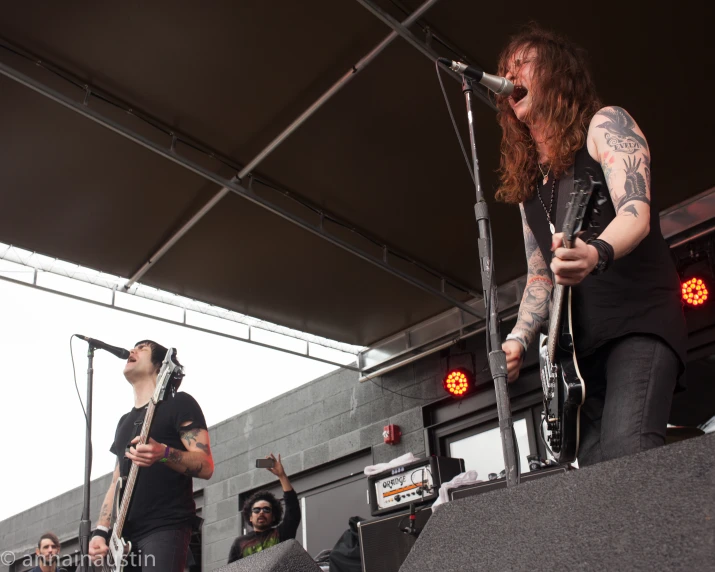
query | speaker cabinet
(383,545)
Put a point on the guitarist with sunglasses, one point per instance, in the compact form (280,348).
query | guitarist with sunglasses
(629,332)
(162,512)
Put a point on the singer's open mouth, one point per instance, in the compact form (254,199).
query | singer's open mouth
(519,93)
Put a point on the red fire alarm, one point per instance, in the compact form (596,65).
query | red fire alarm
(391,434)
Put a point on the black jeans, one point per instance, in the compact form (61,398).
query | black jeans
(629,390)
(163,551)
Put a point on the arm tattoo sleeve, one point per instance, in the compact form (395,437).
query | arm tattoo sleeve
(636,189)
(534,308)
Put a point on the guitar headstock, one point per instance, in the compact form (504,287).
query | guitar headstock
(577,206)
(170,370)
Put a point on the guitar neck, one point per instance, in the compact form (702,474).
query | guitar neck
(555,319)
(133,472)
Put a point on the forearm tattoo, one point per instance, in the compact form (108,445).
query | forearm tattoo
(534,308)
(105,513)
(194,472)
(174,456)
(203,447)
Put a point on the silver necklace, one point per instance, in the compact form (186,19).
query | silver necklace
(552,228)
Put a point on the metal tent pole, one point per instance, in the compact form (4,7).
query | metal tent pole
(336,87)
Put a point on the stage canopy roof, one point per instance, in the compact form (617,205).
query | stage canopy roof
(356,222)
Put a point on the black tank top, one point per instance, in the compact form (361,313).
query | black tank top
(639,293)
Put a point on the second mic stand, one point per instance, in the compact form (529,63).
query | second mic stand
(497,357)
(85,524)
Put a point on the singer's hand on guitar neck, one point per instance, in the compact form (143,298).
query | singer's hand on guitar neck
(571,265)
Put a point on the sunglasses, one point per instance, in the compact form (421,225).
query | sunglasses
(257,509)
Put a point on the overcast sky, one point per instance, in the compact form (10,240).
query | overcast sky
(45,428)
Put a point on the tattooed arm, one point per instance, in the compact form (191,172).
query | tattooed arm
(97,545)
(105,513)
(196,461)
(618,144)
(534,307)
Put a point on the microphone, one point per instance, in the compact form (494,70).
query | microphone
(121,353)
(499,85)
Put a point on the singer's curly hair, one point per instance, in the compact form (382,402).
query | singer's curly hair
(158,353)
(563,98)
(276,507)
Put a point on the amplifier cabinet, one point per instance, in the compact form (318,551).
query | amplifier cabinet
(383,545)
(417,482)
(487,486)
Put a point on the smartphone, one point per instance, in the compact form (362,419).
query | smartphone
(265,463)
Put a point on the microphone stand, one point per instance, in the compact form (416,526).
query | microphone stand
(85,525)
(497,357)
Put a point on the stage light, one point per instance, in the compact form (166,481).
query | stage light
(695,291)
(458,381)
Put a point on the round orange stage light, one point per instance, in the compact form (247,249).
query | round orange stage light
(457,382)
(695,292)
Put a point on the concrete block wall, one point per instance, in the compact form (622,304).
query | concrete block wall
(322,421)
(61,515)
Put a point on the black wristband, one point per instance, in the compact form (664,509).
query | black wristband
(103,533)
(605,256)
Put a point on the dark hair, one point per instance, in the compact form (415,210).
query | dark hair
(158,353)
(51,536)
(565,101)
(276,506)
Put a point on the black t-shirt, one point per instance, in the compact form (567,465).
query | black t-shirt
(162,498)
(639,294)
(253,542)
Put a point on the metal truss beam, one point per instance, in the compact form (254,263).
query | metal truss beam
(421,47)
(183,324)
(233,185)
(248,168)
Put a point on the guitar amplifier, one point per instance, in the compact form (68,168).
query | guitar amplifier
(383,544)
(487,486)
(417,482)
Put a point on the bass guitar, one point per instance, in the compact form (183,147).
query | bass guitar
(119,548)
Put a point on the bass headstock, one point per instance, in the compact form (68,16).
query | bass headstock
(170,371)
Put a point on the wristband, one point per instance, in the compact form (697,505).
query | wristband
(517,339)
(165,458)
(101,531)
(605,256)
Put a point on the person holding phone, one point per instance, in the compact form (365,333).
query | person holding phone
(265,514)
